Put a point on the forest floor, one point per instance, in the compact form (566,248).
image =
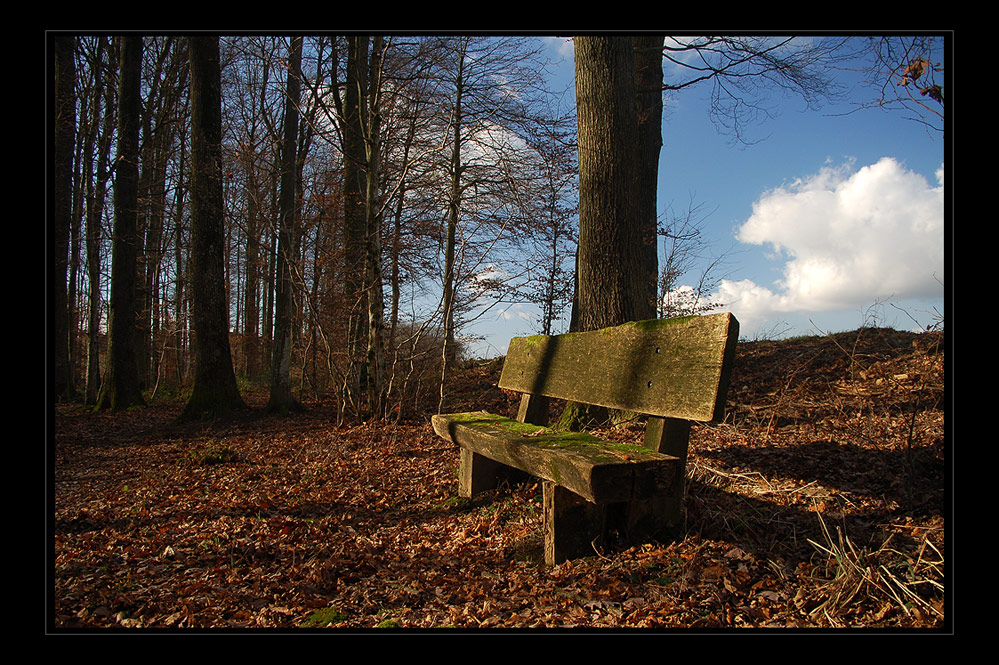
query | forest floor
(820,502)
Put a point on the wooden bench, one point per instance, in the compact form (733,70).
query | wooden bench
(674,371)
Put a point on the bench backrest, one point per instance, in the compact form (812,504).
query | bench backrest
(674,368)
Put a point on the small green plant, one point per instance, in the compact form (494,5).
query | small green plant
(389,623)
(213,453)
(454,503)
(322,618)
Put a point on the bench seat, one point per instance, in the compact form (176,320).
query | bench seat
(597,470)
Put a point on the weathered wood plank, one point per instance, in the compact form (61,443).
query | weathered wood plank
(572,526)
(675,368)
(599,471)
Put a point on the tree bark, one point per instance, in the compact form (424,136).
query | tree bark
(614,284)
(102,120)
(611,276)
(65,124)
(354,212)
(648,54)
(215,392)
(281,398)
(120,389)
(373,263)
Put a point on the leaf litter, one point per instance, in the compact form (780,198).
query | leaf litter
(819,502)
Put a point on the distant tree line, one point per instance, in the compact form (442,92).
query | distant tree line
(370,194)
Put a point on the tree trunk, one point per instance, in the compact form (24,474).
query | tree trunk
(373,262)
(251,307)
(102,119)
(120,389)
(611,286)
(648,53)
(611,278)
(281,398)
(215,392)
(156,204)
(73,308)
(450,353)
(65,124)
(397,239)
(180,289)
(611,266)
(354,213)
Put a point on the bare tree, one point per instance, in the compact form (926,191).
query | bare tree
(215,392)
(120,389)
(744,71)
(906,73)
(550,218)
(372,126)
(65,127)
(487,87)
(166,76)
(281,398)
(98,130)
(685,255)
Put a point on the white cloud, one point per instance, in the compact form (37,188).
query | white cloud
(516,312)
(848,237)
(563,46)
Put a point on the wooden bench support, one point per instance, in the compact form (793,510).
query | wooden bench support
(583,475)
(674,371)
(573,527)
(670,436)
(476,473)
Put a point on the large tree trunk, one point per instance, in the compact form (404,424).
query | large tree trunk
(215,392)
(612,271)
(65,124)
(120,389)
(281,398)
(612,287)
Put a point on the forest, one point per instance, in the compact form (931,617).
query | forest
(372,189)
(266,253)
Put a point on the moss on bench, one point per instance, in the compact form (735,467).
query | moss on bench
(600,471)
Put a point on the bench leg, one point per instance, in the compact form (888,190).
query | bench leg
(659,516)
(655,518)
(572,525)
(476,473)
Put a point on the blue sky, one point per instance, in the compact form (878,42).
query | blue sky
(829,221)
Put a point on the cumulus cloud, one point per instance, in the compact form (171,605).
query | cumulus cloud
(847,238)
(516,312)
